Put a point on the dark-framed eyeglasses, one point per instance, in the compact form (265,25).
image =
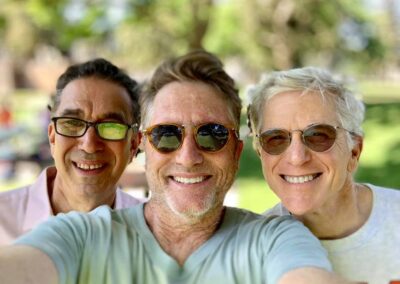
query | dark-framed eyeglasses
(209,137)
(317,137)
(107,130)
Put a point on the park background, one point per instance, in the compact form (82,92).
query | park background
(359,39)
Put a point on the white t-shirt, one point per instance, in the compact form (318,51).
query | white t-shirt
(372,253)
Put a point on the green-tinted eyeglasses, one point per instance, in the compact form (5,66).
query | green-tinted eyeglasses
(209,137)
(107,130)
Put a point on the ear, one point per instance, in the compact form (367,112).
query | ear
(239,149)
(51,134)
(257,148)
(355,153)
(135,142)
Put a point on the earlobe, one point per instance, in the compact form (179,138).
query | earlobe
(135,142)
(239,149)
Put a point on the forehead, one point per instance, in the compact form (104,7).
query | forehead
(298,109)
(93,97)
(189,103)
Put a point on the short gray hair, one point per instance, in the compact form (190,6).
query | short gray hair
(350,110)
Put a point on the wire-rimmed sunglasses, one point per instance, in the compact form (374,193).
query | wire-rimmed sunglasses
(107,130)
(209,137)
(317,137)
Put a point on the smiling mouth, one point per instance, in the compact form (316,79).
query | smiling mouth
(194,180)
(300,179)
(87,167)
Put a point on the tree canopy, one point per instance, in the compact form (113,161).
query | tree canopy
(261,34)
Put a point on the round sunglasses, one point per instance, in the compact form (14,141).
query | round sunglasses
(317,137)
(209,137)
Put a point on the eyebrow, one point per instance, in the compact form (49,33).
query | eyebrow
(109,115)
(71,112)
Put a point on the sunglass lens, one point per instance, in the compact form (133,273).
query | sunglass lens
(275,141)
(112,130)
(319,137)
(166,138)
(212,137)
(70,127)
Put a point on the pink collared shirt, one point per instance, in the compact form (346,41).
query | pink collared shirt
(24,208)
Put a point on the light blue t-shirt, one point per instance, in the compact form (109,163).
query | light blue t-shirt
(109,246)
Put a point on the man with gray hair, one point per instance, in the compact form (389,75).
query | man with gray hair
(307,132)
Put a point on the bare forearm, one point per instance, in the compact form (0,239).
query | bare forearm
(23,264)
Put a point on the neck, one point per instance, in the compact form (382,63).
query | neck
(343,216)
(64,199)
(180,236)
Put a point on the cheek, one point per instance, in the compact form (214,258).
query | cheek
(61,146)
(121,152)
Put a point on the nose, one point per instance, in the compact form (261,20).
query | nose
(90,142)
(297,153)
(188,155)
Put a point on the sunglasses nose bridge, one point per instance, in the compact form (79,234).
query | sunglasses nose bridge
(297,151)
(95,129)
(189,154)
(189,137)
(90,141)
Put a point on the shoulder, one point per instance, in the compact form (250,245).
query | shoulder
(389,196)
(14,194)
(21,194)
(278,210)
(14,200)
(282,240)
(13,215)
(384,190)
(125,200)
(248,221)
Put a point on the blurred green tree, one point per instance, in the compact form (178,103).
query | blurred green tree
(282,34)
(263,34)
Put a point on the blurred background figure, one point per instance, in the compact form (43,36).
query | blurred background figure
(7,132)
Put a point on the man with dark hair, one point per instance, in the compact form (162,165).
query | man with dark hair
(183,234)
(88,160)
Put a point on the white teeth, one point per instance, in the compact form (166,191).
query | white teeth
(189,180)
(89,167)
(300,179)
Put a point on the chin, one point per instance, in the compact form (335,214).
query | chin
(191,211)
(298,209)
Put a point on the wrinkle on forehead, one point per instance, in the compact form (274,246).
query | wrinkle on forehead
(94,99)
(292,110)
(189,103)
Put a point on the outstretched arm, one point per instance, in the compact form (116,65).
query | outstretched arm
(312,275)
(24,264)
